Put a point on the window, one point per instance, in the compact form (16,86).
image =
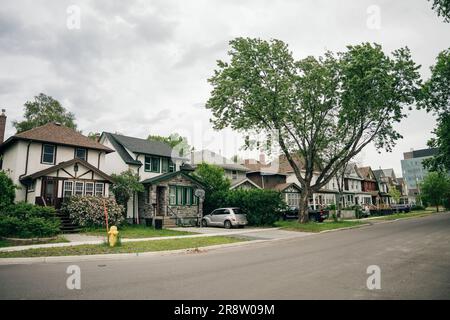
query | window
(79,188)
(293,199)
(172,195)
(81,153)
(234,174)
(99,187)
(182,196)
(48,154)
(89,189)
(68,189)
(165,165)
(155,164)
(152,164)
(172,167)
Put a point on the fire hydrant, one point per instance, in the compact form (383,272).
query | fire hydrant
(113,235)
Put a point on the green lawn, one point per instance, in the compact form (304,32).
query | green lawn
(9,243)
(137,231)
(412,214)
(316,226)
(127,247)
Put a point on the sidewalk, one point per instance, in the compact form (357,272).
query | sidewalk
(100,240)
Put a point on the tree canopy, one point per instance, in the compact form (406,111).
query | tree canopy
(436,99)
(323,109)
(442,7)
(435,189)
(42,110)
(175,141)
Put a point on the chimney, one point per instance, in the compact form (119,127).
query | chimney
(2,126)
(262,158)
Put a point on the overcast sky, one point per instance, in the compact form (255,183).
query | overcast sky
(140,67)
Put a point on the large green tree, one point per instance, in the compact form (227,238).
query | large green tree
(42,110)
(324,110)
(174,141)
(436,99)
(214,181)
(435,189)
(442,7)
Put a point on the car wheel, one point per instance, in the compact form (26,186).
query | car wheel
(204,223)
(227,224)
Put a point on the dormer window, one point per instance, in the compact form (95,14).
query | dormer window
(81,153)
(48,154)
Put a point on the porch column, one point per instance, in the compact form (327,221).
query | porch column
(314,201)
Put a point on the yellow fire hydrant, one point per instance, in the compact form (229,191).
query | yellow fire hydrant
(113,235)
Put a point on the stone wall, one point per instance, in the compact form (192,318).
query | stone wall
(147,200)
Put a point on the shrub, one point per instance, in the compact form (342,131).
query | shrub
(262,207)
(417,207)
(24,220)
(7,190)
(89,211)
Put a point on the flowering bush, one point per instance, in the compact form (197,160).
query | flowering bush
(89,211)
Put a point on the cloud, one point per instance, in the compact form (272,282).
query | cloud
(141,67)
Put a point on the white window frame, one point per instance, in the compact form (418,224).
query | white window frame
(43,153)
(76,191)
(97,192)
(65,189)
(92,192)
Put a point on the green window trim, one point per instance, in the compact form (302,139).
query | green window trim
(152,164)
(182,196)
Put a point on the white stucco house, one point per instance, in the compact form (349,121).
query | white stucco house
(52,162)
(169,188)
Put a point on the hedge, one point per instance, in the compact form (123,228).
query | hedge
(262,207)
(24,220)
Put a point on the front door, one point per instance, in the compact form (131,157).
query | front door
(50,191)
(160,203)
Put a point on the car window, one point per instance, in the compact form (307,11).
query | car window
(223,211)
(237,211)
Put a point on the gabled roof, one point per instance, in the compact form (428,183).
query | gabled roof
(123,153)
(66,164)
(246,180)
(365,173)
(144,146)
(283,186)
(56,134)
(170,175)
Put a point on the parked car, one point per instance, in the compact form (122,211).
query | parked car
(318,215)
(225,217)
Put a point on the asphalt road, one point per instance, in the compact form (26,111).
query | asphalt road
(413,256)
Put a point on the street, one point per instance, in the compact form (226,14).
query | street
(413,256)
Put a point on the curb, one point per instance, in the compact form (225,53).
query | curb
(122,256)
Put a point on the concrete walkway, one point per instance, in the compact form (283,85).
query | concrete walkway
(252,233)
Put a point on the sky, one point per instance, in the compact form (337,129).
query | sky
(141,67)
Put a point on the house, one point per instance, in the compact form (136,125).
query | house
(369,186)
(233,171)
(273,180)
(384,182)
(52,162)
(170,191)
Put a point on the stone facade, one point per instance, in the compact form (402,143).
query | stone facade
(154,202)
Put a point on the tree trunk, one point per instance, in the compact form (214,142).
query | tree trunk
(339,204)
(437,208)
(303,216)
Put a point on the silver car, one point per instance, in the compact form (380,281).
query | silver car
(225,217)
